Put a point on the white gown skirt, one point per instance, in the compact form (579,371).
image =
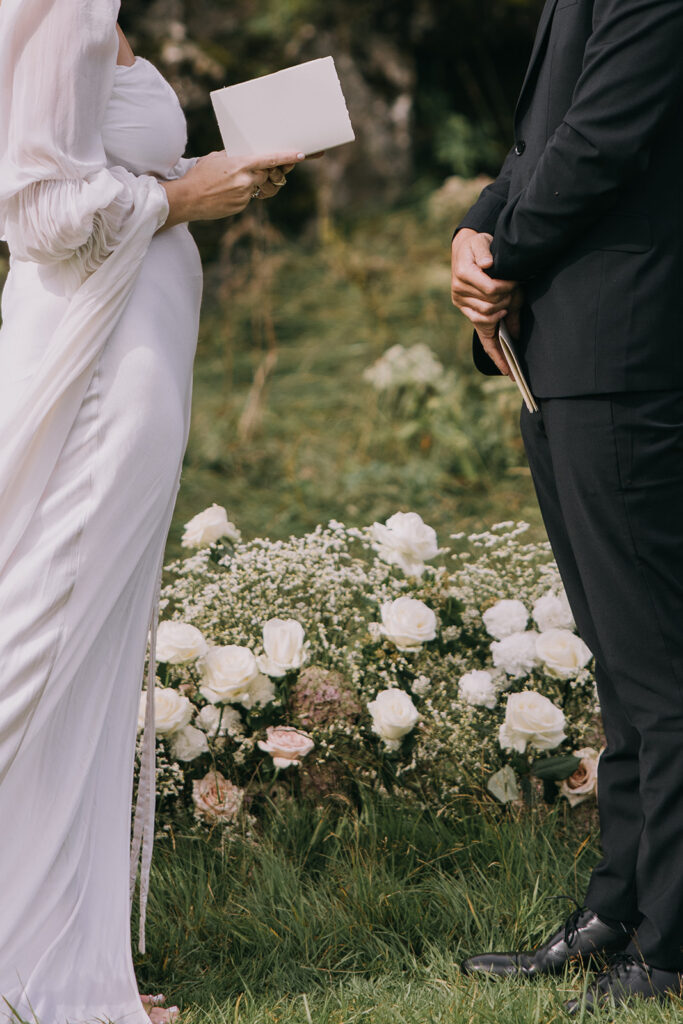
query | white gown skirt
(75,604)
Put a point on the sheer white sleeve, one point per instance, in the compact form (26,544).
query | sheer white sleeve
(75,222)
(85,224)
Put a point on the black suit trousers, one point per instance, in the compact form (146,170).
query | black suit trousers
(608,472)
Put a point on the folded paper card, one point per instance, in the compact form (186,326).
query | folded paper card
(508,347)
(301,109)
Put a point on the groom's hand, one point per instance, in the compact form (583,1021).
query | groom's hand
(484,300)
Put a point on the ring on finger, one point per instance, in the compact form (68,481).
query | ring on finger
(257,193)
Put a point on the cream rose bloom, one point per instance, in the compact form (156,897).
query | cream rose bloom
(172,711)
(393,716)
(406,541)
(562,652)
(477,688)
(505,618)
(582,784)
(209,526)
(227,674)
(408,623)
(286,745)
(216,799)
(188,743)
(530,718)
(261,691)
(223,721)
(178,642)
(284,647)
(552,611)
(516,654)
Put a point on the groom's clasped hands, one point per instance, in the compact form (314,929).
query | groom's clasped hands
(484,300)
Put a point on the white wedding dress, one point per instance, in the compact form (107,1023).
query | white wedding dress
(87,511)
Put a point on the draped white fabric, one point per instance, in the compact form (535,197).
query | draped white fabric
(61,206)
(99,327)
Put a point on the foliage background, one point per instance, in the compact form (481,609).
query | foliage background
(304,293)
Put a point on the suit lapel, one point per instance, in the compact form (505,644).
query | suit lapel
(538,49)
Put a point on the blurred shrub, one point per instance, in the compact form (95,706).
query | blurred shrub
(466,147)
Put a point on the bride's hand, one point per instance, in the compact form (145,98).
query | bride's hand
(221,186)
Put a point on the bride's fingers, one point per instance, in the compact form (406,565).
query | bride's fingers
(268,162)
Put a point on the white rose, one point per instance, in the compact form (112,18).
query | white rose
(530,718)
(478,688)
(562,652)
(552,611)
(178,642)
(283,643)
(505,618)
(583,782)
(172,711)
(188,743)
(227,674)
(516,654)
(208,526)
(286,745)
(406,541)
(261,691)
(393,716)
(408,623)
(223,721)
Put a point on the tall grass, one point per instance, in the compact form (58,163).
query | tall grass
(365,915)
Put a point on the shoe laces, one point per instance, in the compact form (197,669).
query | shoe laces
(616,967)
(571,925)
(619,961)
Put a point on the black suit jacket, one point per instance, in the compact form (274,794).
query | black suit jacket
(587,211)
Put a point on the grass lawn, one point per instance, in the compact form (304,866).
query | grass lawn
(322,915)
(364,915)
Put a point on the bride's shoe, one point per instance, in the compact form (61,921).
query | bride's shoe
(156,1012)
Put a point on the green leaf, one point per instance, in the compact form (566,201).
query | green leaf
(555,768)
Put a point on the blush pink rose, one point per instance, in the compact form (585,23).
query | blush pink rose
(216,799)
(582,784)
(286,745)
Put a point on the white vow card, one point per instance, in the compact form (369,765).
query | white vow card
(301,109)
(507,345)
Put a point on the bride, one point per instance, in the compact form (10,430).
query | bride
(99,327)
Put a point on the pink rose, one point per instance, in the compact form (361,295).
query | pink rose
(286,745)
(582,784)
(216,799)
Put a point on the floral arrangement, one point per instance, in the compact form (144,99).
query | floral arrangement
(343,659)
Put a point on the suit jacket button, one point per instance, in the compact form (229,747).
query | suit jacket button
(520,146)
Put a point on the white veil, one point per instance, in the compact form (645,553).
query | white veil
(60,205)
(91,226)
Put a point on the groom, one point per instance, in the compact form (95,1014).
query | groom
(579,245)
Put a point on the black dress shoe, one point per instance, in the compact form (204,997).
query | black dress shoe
(583,937)
(624,978)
